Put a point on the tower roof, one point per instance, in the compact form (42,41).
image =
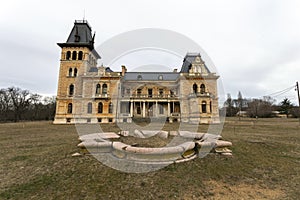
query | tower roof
(81,35)
(188,60)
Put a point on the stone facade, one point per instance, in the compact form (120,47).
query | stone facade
(88,93)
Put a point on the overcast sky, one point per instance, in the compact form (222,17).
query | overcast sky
(254,44)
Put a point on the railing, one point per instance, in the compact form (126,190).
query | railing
(200,94)
(145,96)
(101,96)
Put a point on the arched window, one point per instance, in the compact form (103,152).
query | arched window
(89,108)
(110,108)
(100,107)
(71,89)
(80,55)
(203,106)
(75,72)
(74,55)
(195,88)
(70,108)
(98,88)
(104,89)
(68,55)
(202,88)
(70,72)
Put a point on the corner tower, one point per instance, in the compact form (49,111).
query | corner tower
(77,56)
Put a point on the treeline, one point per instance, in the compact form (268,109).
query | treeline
(19,105)
(263,107)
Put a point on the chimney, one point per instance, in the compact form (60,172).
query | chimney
(175,70)
(124,70)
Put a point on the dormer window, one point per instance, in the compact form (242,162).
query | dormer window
(139,77)
(77,38)
(160,77)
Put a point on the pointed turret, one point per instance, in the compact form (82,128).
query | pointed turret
(80,36)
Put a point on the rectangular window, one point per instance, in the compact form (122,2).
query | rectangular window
(172,93)
(110,120)
(161,92)
(89,108)
(99,120)
(88,120)
(150,93)
(139,92)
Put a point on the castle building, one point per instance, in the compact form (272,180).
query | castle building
(88,93)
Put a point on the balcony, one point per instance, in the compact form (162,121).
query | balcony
(101,96)
(146,96)
(200,94)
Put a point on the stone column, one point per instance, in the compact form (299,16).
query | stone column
(156,109)
(169,109)
(131,109)
(144,109)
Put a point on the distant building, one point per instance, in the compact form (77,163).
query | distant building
(88,93)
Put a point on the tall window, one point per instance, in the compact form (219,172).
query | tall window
(150,93)
(98,87)
(110,108)
(80,55)
(210,107)
(100,107)
(161,92)
(74,55)
(71,89)
(70,72)
(195,88)
(172,93)
(203,106)
(70,108)
(104,89)
(75,72)
(139,92)
(202,88)
(68,55)
(89,108)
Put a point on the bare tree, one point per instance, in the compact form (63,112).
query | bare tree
(20,101)
(261,107)
(5,104)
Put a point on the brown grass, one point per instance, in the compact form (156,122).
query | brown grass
(36,163)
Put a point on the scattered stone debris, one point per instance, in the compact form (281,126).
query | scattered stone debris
(76,154)
(195,145)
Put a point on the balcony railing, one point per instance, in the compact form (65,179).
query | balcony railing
(200,94)
(101,96)
(152,96)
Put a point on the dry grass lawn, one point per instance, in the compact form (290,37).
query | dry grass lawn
(36,163)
